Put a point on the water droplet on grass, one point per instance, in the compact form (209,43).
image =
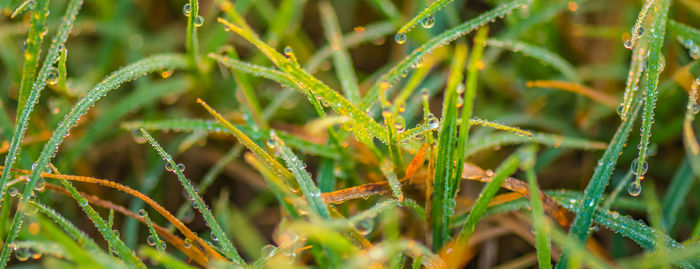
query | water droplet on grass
(181,167)
(198,21)
(634,188)
(365,226)
(169,167)
(428,21)
(52,77)
(187,9)
(151,240)
(400,38)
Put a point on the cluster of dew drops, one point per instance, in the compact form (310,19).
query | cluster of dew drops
(427,22)
(187,10)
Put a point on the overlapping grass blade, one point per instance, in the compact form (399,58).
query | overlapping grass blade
(122,75)
(362,125)
(654,69)
(393,75)
(228,248)
(594,191)
(28,99)
(341,58)
(542,54)
(307,185)
(443,200)
(477,144)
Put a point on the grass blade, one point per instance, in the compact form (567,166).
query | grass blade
(542,54)
(654,69)
(594,191)
(676,194)
(414,59)
(443,195)
(307,185)
(341,58)
(425,17)
(125,74)
(539,222)
(229,250)
(35,37)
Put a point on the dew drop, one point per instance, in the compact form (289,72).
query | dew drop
(620,109)
(628,44)
(400,38)
(52,77)
(428,21)
(634,188)
(635,167)
(288,51)
(143,213)
(187,243)
(13,191)
(365,226)
(31,4)
(169,167)
(151,240)
(40,185)
(22,254)
(267,251)
(181,167)
(198,21)
(187,9)
(213,237)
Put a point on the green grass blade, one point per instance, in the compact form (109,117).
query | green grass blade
(77,235)
(35,37)
(676,194)
(229,250)
(393,75)
(542,54)
(594,191)
(26,104)
(442,199)
(112,239)
(507,167)
(654,69)
(307,185)
(426,17)
(539,222)
(194,125)
(480,143)
(191,10)
(361,35)
(120,76)
(468,103)
(363,126)
(164,258)
(134,100)
(341,57)
(153,235)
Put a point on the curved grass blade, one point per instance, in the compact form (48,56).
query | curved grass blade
(633,77)
(393,75)
(443,200)
(134,100)
(654,69)
(122,75)
(676,194)
(341,58)
(594,191)
(307,185)
(363,126)
(637,29)
(26,104)
(542,240)
(468,105)
(480,143)
(542,54)
(229,250)
(255,70)
(191,10)
(77,235)
(109,235)
(688,35)
(359,35)
(598,96)
(507,167)
(35,37)
(425,17)
(195,125)
(261,154)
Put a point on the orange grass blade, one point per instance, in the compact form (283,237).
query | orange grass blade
(576,88)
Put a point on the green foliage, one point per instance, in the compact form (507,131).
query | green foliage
(318,104)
